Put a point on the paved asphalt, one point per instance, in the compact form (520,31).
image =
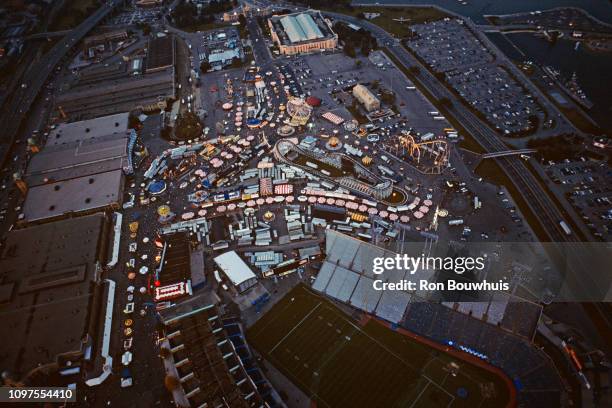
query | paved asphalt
(542,206)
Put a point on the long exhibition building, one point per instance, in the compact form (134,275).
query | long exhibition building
(302,32)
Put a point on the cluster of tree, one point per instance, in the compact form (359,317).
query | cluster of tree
(242,28)
(188,126)
(205,66)
(145,27)
(185,14)
(356,112)
(354,40)
(387,97)
(557,147)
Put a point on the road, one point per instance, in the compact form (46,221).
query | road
(544,209)
(581,282)
(17,109)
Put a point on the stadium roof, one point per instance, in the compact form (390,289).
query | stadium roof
(301,27)
(234,267)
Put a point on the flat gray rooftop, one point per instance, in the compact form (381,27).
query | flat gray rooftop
(125,94)
(78,159)
(88,129)
(88,193)
(46,273)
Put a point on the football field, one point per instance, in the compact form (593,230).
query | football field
(339,363)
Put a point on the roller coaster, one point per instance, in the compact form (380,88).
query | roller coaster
(428,157)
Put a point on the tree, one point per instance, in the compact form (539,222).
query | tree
(388,97)
(349,50)
(145,27)
(365,48)
(133,122)
(242,20)
(358,63)
(236,62)
(205,66)
(188,126)
(414,70)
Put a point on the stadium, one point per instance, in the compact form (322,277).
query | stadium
(338,362)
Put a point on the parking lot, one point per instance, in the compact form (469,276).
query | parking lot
(586,184)
(471,69)
(136,15)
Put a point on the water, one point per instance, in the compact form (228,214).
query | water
(602,9)
(594,70)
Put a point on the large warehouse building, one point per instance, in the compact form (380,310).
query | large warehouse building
(52,301)
(367,98)
(80,169)
(302,32)
(236,270)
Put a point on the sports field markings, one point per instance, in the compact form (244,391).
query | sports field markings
(295,327)
(419,396)
(404,362)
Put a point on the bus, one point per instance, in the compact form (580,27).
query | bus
(366,237)
(565,228)
(368,202)
(386,171)
(327,185)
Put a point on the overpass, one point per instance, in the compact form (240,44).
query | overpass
(505,153)
(541,205)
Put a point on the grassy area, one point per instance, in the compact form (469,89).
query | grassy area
(413,15)
(73,14)
(582,123)
(575,116)
(469,143)
(339,363)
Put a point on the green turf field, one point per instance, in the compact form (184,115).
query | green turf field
(339,363)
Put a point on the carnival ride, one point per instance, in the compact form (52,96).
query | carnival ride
(299,111)
(429,157)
